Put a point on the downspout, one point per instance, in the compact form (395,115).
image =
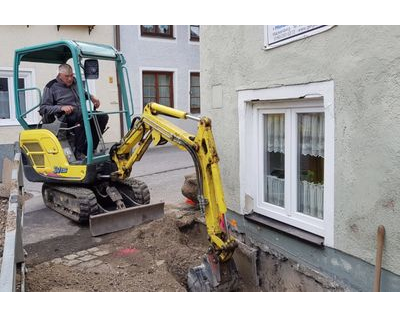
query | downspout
(117,38)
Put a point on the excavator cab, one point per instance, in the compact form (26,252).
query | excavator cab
(80,189)
(100,189)
(84,59)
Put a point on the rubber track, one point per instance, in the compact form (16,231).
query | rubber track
(141,193)
(87,202)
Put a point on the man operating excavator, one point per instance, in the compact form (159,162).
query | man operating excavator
(61,99)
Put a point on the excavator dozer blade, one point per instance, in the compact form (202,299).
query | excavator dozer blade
(126,218)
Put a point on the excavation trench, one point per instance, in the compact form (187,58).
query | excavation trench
(153,257)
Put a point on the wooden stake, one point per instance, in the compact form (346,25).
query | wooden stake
(378,261)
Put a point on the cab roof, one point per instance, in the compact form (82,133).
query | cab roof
(61,51)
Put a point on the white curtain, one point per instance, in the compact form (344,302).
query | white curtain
(275,133)
(274,189)
(311,199)
(312,126)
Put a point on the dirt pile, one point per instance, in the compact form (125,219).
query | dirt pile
(153,257)
(3,207)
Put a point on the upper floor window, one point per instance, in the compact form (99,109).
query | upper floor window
(194,92)
(158,87)
(157,30)
(195,33)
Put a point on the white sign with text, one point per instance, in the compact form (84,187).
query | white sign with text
(277,35)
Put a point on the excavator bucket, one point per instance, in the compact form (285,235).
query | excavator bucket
(213,276)
(126,218)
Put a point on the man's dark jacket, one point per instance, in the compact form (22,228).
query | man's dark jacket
(55,95)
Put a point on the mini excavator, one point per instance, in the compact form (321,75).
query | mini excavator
(100,189)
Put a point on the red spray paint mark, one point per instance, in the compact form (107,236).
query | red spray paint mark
(126,252)
(190,202)
(222,223)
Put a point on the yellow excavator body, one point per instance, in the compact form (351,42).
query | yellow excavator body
(47,156)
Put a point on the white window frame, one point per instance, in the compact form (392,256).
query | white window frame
(294,99)
(288,213)
(31,96)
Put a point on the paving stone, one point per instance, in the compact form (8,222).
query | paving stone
(56,261)
(90,264)
(72,263)
(82,253)
(101,253)
(87,258)
(71,257)
(94,249)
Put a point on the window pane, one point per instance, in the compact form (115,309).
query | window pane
(22,98)
(4,99)
(163,92)
(195,80)
(148,100)
(149,88)
(311,140)
(195,92)
(274,159)
(164,80)
(164,29)
(149,28)
(195,102)
(149,79)
(149,92)
(194,31)
(165,101)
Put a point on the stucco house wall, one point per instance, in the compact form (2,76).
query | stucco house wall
(362,64)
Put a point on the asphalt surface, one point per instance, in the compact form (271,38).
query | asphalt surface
(162,168)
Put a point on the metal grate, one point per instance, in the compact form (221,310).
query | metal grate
(38,160)
(33,147)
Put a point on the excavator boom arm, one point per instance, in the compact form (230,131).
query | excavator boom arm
(152,127)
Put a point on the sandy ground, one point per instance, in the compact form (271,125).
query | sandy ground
(153,257)
(3,206)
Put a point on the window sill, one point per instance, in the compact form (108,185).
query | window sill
(158,37)
(9,123)
(285,228)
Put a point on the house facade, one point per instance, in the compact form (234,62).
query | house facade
(306,124)
(164,66)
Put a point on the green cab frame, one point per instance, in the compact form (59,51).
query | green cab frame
(60,52)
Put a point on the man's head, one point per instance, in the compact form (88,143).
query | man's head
(66,74)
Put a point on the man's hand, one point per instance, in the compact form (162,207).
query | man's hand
(67,109)
(96,102)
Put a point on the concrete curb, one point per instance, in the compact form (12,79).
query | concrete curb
(13,252)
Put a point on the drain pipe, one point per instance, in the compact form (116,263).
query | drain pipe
(117,38)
